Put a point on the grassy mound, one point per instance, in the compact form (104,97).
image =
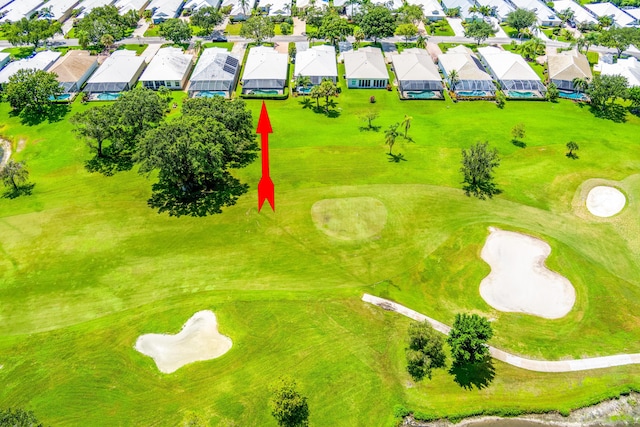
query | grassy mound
(352,218)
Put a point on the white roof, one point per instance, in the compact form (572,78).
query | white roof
(59,7)
(4,56)
(41,61)
(507,65)
(634,11)
(278,7)
(125,6)
(415,64)
(197,4)
(170,63)
(501,7)
(580,14)
(317,61)
(431,8)
(20,8)
(265,63)
(465,64)
(88,5)
(121,66)
(464,6)
(211,65)
(541,10)
(165,8)
(630,68)
(236,7)
(365,63)
(620,18)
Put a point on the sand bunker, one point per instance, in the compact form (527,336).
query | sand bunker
(605,201)
(519,281)
(199,339)
(351,218)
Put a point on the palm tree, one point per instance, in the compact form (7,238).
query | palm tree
(316,94)
(580,84)
(453,79)
(605,21)
(421,41)
(572,146)
(406,123)
(580,43)
(532,48)
(390,136)
(328,88)
(303,81)
(486,11)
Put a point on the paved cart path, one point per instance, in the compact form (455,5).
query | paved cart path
(520,362)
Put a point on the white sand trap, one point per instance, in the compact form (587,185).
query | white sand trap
(199,339)
(604,201)
(519,281)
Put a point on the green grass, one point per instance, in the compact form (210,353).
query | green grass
(224,45)
(593,57)
(440,28)
(138,48)
(19,52)
(71,34)
(152,31)
(233,29)
(87,267)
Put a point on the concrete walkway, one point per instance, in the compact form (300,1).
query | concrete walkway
(150,52)
(520,362)
(456,26)
(143,26)
(299,27)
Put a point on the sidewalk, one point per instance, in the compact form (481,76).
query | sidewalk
(150,52)
(456,26)
(517,361)
(143,26)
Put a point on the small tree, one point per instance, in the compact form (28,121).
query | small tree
(553,93)
(605,89)
(572,146)
(501,99)
(478,163)
(107,41)
(479,31)
(175,30)
(407,31)
(454,78)
(518,131)
(406,124)
(258,28)
(18,418)
(285,28)
(327,88)
(424,351)
(206,18)
(580,84)
(421,41)
(521,19)
(369,116)
(390,136)
(14,174)
(468,338)
(31,91)
(288,406)
(378,22)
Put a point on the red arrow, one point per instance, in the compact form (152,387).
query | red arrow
(265,186)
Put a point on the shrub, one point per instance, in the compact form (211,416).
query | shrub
(399,411)
(372,99)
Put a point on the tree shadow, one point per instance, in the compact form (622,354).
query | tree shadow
(306,102)
(396,158)
(572,156)
(197,202)
(53,114)
(22,190)
(616,113)
(481,190)
(109,164)
(519,143)
(470,375)
(370,128)
(408,138)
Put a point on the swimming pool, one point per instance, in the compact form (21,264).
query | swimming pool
(474,93)
(108,96)
(576,96)
(304,90)
(423,94)
(264,92)
(521,94)
(63,97)
(210,94)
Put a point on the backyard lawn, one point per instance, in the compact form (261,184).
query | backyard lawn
(87,267)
